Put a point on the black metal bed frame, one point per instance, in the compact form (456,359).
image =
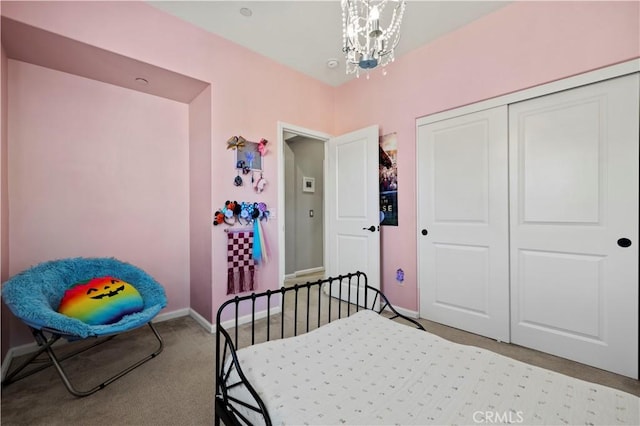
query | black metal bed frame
(225,404)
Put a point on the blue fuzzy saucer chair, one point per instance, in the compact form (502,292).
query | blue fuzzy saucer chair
(35,294)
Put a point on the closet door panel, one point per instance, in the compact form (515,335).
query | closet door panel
(462,199)
(564,187)
(544,273)
(573,194)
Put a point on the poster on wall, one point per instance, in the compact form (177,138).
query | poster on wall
(388,152)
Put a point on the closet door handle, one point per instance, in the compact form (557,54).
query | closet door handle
(371,228)
(624,242)
(424,232)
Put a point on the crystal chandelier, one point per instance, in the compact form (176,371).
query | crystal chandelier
(367,43)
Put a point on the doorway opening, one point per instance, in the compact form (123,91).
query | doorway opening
(302,198)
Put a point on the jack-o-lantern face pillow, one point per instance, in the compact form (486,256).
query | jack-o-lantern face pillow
(103,300)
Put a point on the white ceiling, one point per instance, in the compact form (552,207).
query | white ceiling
(304,35)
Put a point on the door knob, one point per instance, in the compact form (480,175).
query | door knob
(624,242)
(424,232)
(371,228)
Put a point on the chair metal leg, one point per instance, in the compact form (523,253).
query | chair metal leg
(14,377)
(46,346)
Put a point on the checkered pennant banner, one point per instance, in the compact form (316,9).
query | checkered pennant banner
(240,263)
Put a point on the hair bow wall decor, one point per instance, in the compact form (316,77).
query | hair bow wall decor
(243,213)
(262,146)
(236,142)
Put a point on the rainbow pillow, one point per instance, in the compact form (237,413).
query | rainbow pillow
(103,300)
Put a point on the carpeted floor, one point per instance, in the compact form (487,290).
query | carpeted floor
(177,387)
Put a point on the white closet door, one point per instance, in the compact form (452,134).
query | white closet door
(573,199)
(463,218)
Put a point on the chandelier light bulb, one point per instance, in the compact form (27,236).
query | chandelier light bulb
(366,43)
(374,14)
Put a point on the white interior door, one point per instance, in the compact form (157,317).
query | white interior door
(352,206)
(463,218)
(573,198)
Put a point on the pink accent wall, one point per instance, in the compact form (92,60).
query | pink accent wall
(200,218)
(98,170)
(249,94)
(5,315)
(519,46)
(4,187)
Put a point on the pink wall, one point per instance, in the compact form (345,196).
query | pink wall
(97,170)
(249,95)
(4,193)
(200,204)
(6,318)
(519,46)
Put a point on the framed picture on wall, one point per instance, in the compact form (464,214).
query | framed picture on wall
(249,157)
(308,184)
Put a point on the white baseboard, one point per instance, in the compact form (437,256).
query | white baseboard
(171,315)
(21,350)
(202,321)
(405,312)
(16,352)
(5,364)
(309,271)
(247,318)
(211,328)
(304,272)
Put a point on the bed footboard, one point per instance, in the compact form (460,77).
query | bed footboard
(332,298)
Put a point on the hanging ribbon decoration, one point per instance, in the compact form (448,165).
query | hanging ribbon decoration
(260,254)
(257,247)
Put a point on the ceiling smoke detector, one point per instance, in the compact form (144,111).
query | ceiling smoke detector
(245,11)
(333,63)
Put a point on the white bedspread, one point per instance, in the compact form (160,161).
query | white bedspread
(369,370)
